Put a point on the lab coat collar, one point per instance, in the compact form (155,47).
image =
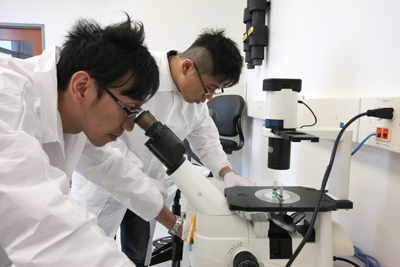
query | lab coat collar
(45,85)
(165,76)
(173,87)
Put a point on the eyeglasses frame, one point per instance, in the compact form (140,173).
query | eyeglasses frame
(202,83)
(129,113)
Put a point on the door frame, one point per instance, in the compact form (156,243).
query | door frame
(26,26)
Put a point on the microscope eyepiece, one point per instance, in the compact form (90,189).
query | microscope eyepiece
(145,120)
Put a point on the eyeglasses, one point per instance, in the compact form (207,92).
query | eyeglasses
(129,113)
(216,92)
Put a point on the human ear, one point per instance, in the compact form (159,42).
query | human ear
(78,85)
(186,65)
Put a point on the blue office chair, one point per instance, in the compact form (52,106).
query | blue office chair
(229,109)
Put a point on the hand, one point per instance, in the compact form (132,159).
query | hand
(232,179)
(160,188)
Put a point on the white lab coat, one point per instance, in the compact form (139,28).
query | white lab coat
(39,224)
(191,121)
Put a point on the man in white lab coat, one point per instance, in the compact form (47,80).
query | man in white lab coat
(49,106)
(187,80)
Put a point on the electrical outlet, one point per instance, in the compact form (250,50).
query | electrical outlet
(388,130)
(383,133)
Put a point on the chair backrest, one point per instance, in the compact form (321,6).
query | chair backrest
(229,109)
(213,115)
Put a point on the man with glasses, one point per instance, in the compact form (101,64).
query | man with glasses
(187,80)
(54,109)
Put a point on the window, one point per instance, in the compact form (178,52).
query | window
(19,49)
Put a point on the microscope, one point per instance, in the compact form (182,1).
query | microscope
(252,226)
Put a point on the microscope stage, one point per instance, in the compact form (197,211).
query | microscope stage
(262,198)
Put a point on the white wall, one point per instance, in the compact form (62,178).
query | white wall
(59,16)
(340,49)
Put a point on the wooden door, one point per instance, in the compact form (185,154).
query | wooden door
(23,34)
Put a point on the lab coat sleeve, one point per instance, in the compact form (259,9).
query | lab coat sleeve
(205,143)
(40,225)
(122,178)
(128,154)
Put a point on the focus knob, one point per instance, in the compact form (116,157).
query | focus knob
(245,259)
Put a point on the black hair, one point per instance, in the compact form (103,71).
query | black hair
(109,55)
(217,56)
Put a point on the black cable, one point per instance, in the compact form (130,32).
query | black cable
(322,190)
(346,260)
(383,113)
(315,117)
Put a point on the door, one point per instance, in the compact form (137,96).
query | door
(21,41)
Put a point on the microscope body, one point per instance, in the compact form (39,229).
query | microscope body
(220,240)
(228,235)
